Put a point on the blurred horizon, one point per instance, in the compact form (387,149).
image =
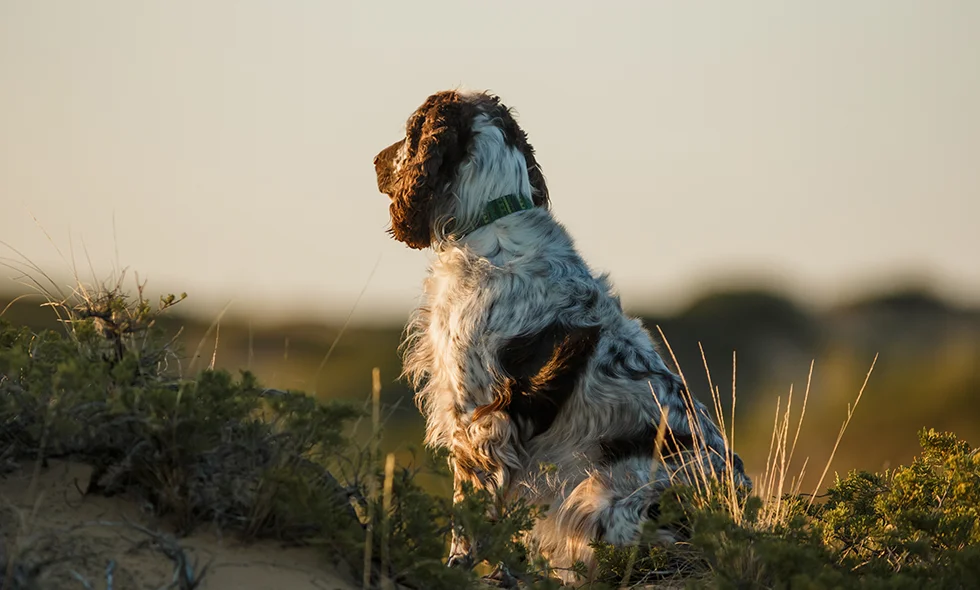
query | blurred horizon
(224,149)
(304,308)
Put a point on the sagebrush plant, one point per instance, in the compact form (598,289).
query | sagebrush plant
(217,449)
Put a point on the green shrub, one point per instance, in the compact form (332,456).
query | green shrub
(912,527)
(222,450)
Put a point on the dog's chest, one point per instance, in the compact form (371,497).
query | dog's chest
(458,306)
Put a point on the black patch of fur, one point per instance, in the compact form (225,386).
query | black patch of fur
(622,361)
(641,444)
(542,371)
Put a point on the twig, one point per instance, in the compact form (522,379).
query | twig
(386,583)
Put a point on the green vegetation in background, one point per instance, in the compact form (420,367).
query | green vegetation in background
(928,372)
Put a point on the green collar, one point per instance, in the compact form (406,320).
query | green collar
(497,208)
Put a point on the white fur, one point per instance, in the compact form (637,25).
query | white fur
(493,170)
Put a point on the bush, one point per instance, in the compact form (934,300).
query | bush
(912,527)
(221,450)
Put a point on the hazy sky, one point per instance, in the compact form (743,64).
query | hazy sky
(823,146)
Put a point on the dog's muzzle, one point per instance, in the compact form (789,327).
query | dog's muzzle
(384,167)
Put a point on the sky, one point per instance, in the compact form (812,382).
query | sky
(224,148)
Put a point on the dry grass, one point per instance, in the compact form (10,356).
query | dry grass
(777,479)
(777,490)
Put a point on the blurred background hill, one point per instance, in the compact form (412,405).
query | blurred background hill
(928,372)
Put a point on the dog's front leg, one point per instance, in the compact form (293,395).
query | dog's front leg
(483,455)
(461,552)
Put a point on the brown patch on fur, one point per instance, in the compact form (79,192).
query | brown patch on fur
(500,402)
(479,463)
(437,137)
(542,371)
(470,464)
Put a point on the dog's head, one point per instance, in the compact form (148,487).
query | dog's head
(461,150)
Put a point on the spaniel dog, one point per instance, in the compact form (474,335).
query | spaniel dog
(521,356)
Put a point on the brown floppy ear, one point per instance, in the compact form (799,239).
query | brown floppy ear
(438,135)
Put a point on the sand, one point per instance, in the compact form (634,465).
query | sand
(48,519)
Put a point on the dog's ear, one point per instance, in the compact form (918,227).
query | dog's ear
(437,136)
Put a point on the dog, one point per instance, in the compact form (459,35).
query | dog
(520,355)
